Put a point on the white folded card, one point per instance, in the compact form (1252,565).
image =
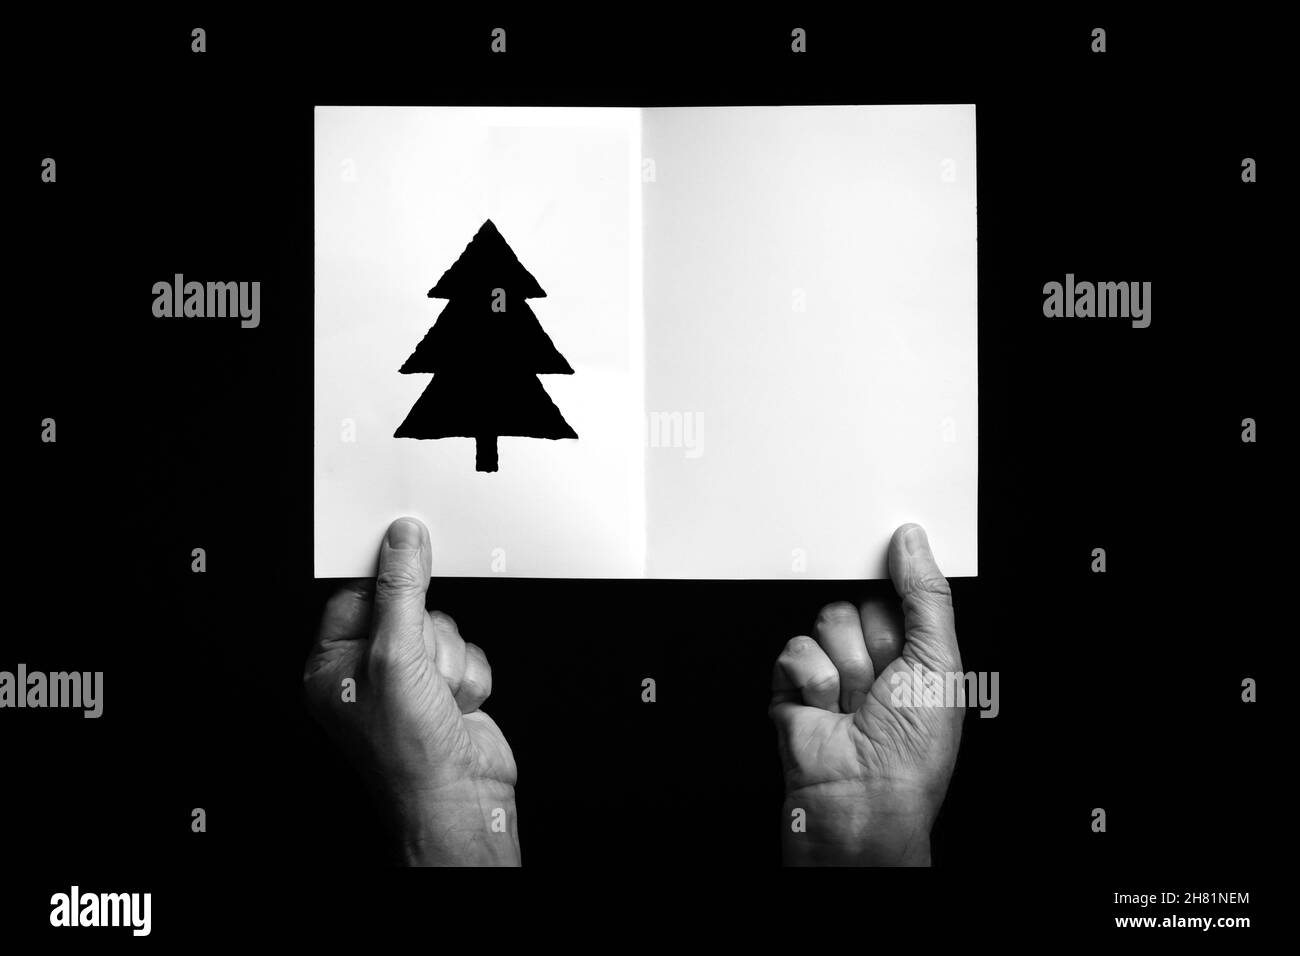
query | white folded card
(768,315)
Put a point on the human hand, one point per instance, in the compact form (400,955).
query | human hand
(439,766)
(868,757)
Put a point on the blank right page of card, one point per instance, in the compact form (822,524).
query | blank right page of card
(810,323)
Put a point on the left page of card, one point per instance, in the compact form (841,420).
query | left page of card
(551,195)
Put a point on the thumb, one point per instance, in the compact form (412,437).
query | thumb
(930,634)
(405,561)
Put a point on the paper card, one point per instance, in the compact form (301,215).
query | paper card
(770,316)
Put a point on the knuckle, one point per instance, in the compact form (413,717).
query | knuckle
(822,681)
(476,687)
(932,586)
(443,622)
(837,613)
(397,579)
(798,646)
(856,666)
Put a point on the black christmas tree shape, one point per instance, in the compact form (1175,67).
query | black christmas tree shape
(485,351)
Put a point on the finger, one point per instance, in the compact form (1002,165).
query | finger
(929,632)
(805,667)
(882,626)
(447,648)
(476,682)
(340,640)
(400,588)
(783,689)
(838,631)
(347,613)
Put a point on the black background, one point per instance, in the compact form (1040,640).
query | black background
(1119,690)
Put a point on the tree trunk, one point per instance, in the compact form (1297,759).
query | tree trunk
(485,453)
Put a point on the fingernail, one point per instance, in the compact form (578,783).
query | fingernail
(915,539)
(404,535)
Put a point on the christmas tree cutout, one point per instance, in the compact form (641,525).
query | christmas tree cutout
(485,351)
